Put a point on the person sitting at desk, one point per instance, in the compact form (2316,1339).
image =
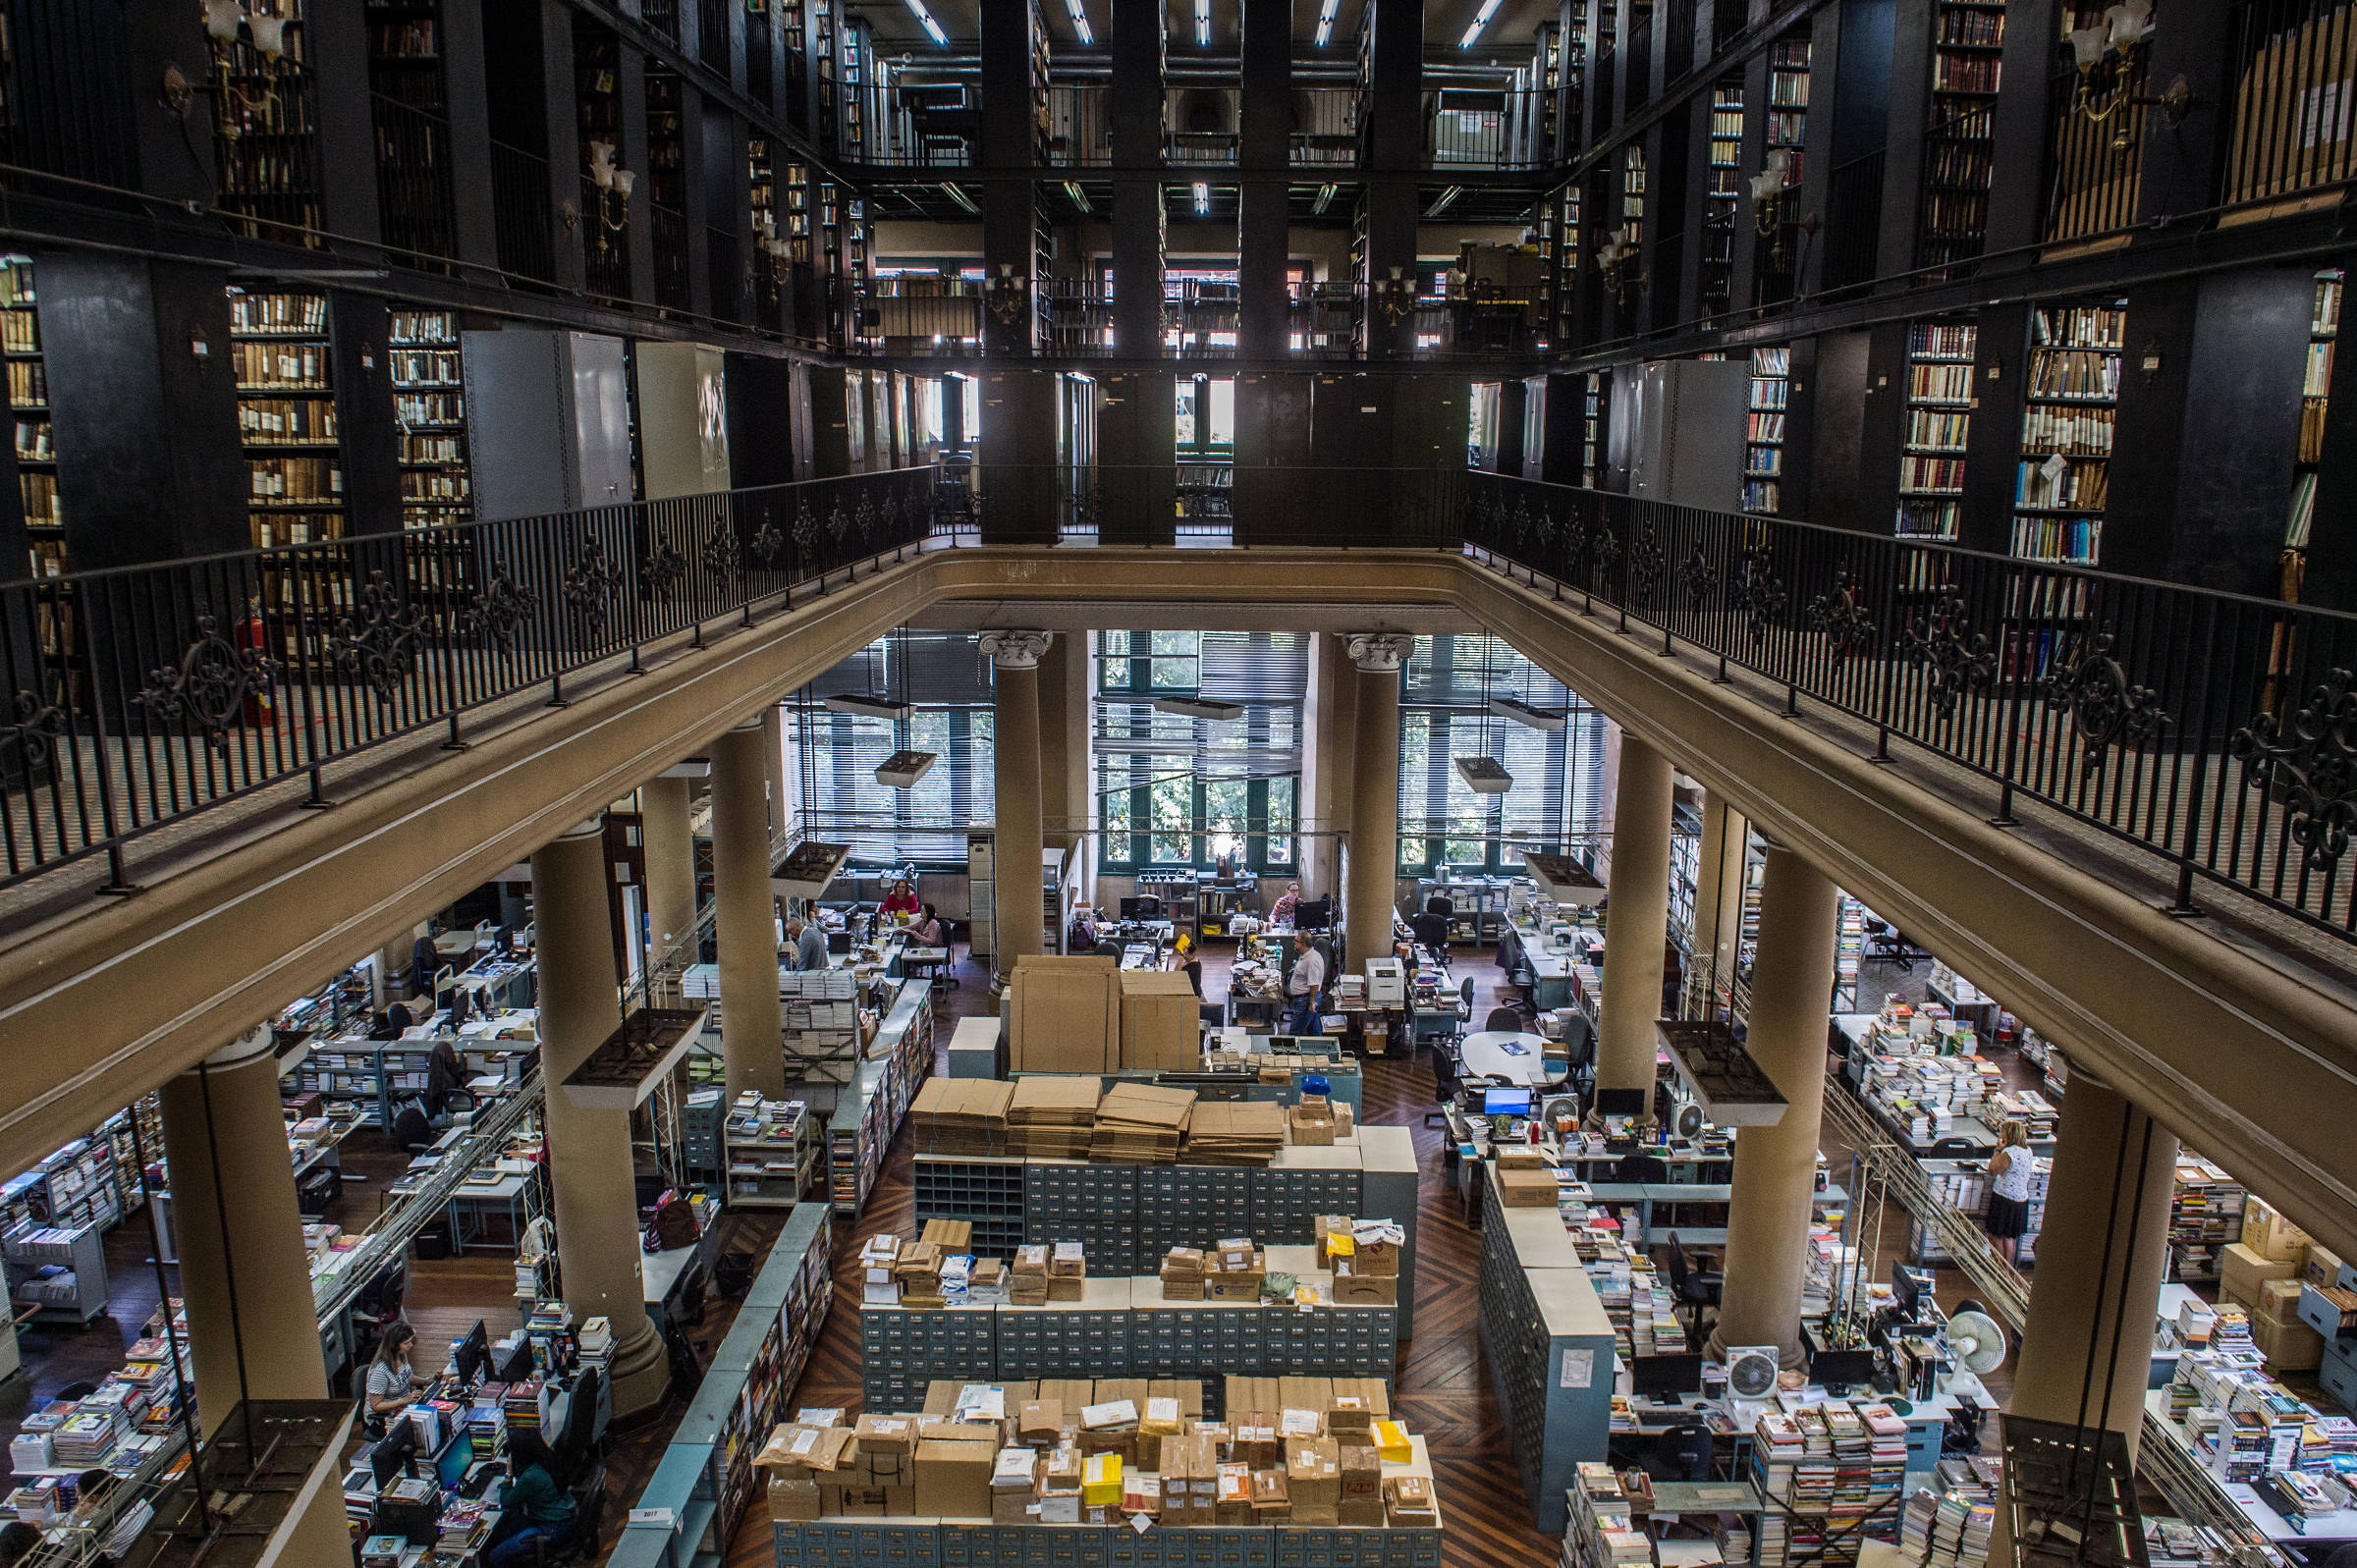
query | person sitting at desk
(929,931)
(390,1024)
(105,1533)
(542,1511)
(445,1075)
(1189,962)
(900,902)
(1082,938)
(1282,912)
(1302,983)
(810,944)
(17,1541)
(393,1383)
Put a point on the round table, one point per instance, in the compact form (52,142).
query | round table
(1486,1055)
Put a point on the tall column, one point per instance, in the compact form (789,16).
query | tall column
(1776,1167)
(1718,895)
(669,846)
(1374,888)
(1019,842)
(1637,921)
(773,766)
(243,1270)
(1062,738)
(589,1151)
(2088,1343)
(744,916)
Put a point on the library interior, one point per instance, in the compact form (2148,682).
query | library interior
(1177,784)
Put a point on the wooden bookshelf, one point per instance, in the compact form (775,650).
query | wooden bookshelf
(1720,200)
(412,130)
(287,415)
(1967,54)
(1591,443)
(265,133)
(1931,465)
(1764,436)
(2324,328)
(1787,127)
(429,400)
(2070,403)
(28,403)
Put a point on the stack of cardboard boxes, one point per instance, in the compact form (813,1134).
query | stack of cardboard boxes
(1363,1257)
(1304,1451)
(2263,1274)
(1525,1179)
(1182,1274)
(1233,1270)
(1046,1271)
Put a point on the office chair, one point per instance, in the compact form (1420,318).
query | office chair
(1464,996)
(1440,903)
(691,1298)
(1509,1019)
(1682,1453)
(1431,931)
(1579,1050)
(1692,1287)
(77,1391)
(1445,1083)
(588,1518)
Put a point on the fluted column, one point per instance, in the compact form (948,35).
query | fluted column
(669,846)
(1776,1167)
(1019,842)
(1718,897)
(773,766)
(746,916)
(243,1270)
(589,1151)
(1637,922)
(1374,882)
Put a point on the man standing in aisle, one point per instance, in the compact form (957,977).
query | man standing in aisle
(809,943)
(1302,983)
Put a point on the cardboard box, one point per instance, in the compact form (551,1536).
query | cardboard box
(1310,1123)
(1527,1188)
(1162,1020)
(952,1477)
(1101,1481)
(1271,1502)
(1355,1289)
(2321,1266)
(2241,1271)
(887,1434)
(1233,1495)
(1313,1474)
(795,1497)
(2271,1236)
(1064,1013)
(1040,1422)
(2289,1345)
(2279,1300)
(1408,1500)
(1392,1443)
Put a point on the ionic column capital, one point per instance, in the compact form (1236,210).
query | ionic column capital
(1016,650)
(1379,653)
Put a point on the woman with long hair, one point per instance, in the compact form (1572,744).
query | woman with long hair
(393,1383)
(2009,1171)
(542,1508)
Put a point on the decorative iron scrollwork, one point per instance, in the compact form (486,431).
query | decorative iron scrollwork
(2311,764)
(1758,597)
(805,526)
(768,543)
(864,518)
(36,729)
(839,521)
(1518,522)
(498,609)
(380,643)
(1699,578)
(208,689)
(1648,565)
(663,571)
(2106,706)
(1958,660)
(1841,614)
(1542,528)
(589,586)
(720,553)
(1603,551)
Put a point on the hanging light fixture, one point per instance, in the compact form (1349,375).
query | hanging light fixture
(1483,773)
(904,768)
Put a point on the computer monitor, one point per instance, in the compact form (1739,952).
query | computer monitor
(391,1452)
(1132,909)
(453,1462)
(519,1363)
(1506,1102)
(1843,1367)
(1622,1101)
(471,1354)
(1665,1377)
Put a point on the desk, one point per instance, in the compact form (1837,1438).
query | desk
(660,1273)
(506,1194)
(1487,1054)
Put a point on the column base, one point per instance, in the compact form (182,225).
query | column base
(640,1371)
(1788,1357)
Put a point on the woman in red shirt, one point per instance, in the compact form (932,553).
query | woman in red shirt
(900,902)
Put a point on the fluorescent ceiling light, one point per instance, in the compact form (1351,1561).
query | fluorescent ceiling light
(1326,195)
(1489,8)
(1078,195)
(924,20)
(1199,708)
(1326,13)
(958,195)
(1524,713)
(1080,23)
(1203,23)
(1485,775)
(1441,204)
(870,707)
(1202,197)
(903,768)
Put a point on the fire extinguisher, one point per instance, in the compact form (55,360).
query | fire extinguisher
(252,637)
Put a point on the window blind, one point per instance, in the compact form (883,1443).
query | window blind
(1559,775)
(947,679)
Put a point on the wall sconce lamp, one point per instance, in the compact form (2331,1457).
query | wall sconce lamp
(2125,28)
(1768,188)
(224,19)
(1008,294)
(1395,297)
(614,186)
(1613,259)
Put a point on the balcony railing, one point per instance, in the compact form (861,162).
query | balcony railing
(143,695)
(1475,129)
(2207,728)
(1081,125)
(2291,120)
(413,177)
(519,212)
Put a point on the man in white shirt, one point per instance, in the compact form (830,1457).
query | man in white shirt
(1303,985)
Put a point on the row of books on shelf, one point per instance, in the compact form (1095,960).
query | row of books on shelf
(2080,327)
(297,480)
(1966,72)
(271,420)
(2075,374)
(28,384)
(2312,430)
(1931,427)
(1960,25)
(1918,474)
(269,366)
(1765,427)
(1927,340)
(1935,383)
(1768,392)
(403,40)
(2059,539)
(286,314)
(413,409)
(2065,482)
(2079,432)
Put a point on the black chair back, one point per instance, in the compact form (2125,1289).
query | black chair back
(1431,930)
(1503,1018)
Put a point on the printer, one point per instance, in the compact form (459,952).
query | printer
(1386,983)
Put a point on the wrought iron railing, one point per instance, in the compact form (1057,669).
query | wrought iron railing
(519,213)
(412,176)
(138,697)
(2291,128)
(2216,731)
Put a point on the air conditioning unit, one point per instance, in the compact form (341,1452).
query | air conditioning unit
(1524,713)
(903,768)
(1486,775)
(862,707)
(1199,708)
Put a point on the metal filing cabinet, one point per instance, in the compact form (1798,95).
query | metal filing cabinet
(1023,1545)
(1192,1546)
(1093,1205)
(1339,1548)
(1288,1197)
(1190,1205)
(865,1543)
(1550,1348)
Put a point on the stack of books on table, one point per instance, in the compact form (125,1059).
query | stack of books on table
(463,1528)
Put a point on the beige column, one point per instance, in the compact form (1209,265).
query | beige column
(589,1151)
(744,916)
(1339,744)
(670,847)
(1718,897)
(243,1270)
(1776,1167)
(2101,1256)
(1018,840)
(773,766)
(1636,923)
(1061,744)
(1374,890)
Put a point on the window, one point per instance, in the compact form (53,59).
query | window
(948,679)
(1557,796)
(1180,791)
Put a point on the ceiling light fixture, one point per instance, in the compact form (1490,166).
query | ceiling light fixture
(1078,195)
(1081,23)
(1441,204)
(951,188)
(1200,708)
(1202,23)
(861,706)
(1326,195)
(1325,15)
(1489,8)
(1202,198)
(924,20)
(1530,713)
